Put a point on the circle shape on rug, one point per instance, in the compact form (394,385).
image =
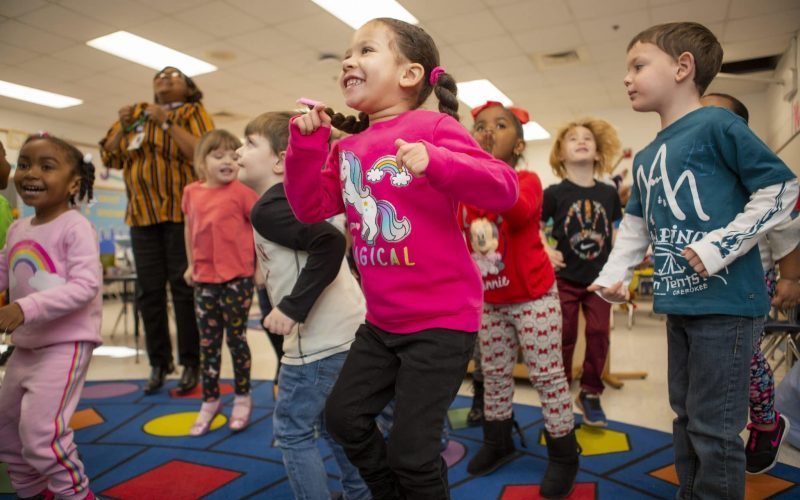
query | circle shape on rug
(178,424)
(108,390)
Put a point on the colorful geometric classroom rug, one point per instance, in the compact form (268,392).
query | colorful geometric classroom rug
(137,448)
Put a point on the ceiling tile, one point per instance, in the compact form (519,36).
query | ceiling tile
(738,30)
(426,10)
(532,14)
(87,56)
(113,85)
(14,8)
(273,12)
(55,69)
(30,38)
(749,8)
(258,71)
(591,9)
(511,84)
(121,14)
(306,61)
(14,55)
(489,49)
(171,6)
(448,57)
(519,65)
(612,52)
(66,23)
(220,19)
(174,34)
(222,54)
(702,11)
(329,34)
(622,26)
(555,38)
(267,42)
(477,25)
(573,74)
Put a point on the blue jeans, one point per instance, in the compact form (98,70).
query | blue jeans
(709,374)
(298,422)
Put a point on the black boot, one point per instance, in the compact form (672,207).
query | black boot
(188,380)
(157,376)
(475,415)
(498,447)
(562,466)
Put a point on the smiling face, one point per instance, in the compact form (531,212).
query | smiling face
(495,129)
(372,70)
(221,167)
(650,80)
(579,147)
(45,179)
(170,86)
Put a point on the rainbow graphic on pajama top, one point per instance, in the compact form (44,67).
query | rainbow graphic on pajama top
(30,264)
(398,175)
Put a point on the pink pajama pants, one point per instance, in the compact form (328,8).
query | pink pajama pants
(37,399)
(536,327)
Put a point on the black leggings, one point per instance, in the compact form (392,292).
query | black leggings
(220,307)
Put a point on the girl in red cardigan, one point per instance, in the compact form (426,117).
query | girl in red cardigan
(521,309)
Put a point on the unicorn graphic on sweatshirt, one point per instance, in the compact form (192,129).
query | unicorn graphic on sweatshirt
(377,216)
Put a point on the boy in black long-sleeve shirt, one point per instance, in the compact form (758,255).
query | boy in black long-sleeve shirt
(317,306)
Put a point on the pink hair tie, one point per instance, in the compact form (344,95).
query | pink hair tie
(435,73)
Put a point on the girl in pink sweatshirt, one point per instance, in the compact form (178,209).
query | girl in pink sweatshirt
(51,264)
(399,179)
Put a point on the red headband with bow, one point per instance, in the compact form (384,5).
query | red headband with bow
(521,114)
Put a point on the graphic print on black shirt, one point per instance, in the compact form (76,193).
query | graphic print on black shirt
(583,219)
(586,226)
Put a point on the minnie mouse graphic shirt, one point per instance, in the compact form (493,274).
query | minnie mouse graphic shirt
(507,248)
(583,221)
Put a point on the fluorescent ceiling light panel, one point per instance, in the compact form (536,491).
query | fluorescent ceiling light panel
(151,54)
(477,92)
(355,13)
(36,96)
(532,131)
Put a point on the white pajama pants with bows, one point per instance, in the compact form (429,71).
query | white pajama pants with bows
(535,327)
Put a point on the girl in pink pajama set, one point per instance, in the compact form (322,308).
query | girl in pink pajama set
(51,265)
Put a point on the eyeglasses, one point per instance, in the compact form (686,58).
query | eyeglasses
(169,74)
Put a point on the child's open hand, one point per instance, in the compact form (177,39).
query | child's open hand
(787,293)
(694,260)
(412,155)
(316,117)
(279,323)
(556,258)
(187,275)
(616,293)
(11,316)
